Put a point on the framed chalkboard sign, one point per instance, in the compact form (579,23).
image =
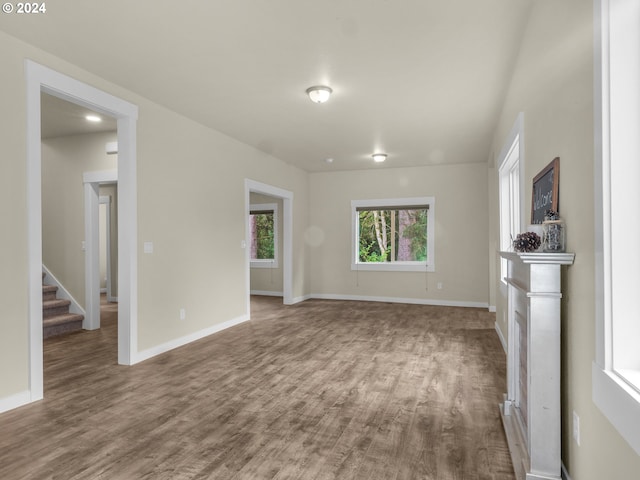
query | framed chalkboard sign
(545,191)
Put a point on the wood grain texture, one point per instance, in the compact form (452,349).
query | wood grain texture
(319,390)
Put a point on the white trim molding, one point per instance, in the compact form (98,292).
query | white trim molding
(511,188)
(287,237)
(503,341)
(302,298)
(16,401)
(616,173)
(389,204)
(192,337)
(413,301)
(267,293)
(92,200)
(43,79)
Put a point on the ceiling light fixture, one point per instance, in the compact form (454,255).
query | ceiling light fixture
(379,157)
(319,93)
(93,118)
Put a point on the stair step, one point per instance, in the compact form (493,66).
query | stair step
(49,292)
(61,323)
(51,308)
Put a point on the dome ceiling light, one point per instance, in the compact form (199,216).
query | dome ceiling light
(319,93)
(379,157)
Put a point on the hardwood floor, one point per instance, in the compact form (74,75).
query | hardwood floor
(319,390)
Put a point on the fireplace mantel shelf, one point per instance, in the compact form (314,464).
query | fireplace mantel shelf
(541,257)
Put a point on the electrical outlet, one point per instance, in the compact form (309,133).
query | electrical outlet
(439,285)
(183,314)
(576,427)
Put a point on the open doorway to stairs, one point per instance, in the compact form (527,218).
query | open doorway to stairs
(42,79)
(271,198)
(74,146)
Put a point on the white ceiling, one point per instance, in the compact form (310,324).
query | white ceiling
(60,118)
(422,80)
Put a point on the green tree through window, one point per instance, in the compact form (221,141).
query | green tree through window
(392,235)
(262,235)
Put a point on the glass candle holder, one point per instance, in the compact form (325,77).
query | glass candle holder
(553,239)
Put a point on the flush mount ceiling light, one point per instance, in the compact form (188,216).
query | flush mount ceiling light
(319,93)
(93,118)
(379,157)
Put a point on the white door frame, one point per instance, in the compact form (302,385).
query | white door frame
(43,79)
(287,234)
(106,200)
(92,181)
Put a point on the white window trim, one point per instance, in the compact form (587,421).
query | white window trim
(618,401)
(267,262)
(429,265)
(504,163)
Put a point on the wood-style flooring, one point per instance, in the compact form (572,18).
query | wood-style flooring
(319,390)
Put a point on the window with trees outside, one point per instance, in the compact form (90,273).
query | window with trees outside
(263,224)
(393,234)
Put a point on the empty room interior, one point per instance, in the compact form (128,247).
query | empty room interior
(313,240)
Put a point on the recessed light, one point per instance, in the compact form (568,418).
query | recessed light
(379,157)
(319,93)
(93,118)
(329,160)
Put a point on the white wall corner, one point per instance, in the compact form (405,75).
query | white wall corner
(301,299)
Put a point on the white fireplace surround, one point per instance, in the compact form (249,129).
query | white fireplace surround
(531,408)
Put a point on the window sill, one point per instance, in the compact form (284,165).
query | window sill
(619,403)
(393,267)
(264,264)
(631,377)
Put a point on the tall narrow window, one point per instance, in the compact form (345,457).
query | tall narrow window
(616,371)
(393,234)
(263,246)
(510,192)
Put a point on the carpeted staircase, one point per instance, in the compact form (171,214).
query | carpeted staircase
(56,318)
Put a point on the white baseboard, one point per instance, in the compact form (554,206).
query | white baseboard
(15,401)
(564,473)
(501,337)
(492,308)
(301,299)
(266,293)
(415,301)
(192,337)
(63,293)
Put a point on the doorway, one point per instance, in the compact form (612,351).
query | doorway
(42,79)
(286,217)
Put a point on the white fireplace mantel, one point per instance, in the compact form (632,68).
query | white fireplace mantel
(531,408)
